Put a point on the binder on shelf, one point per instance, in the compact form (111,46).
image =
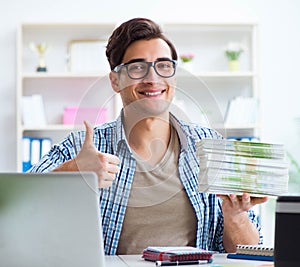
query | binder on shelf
(247,138)
(26,153)
(34,148)
(35,151)
(45,146)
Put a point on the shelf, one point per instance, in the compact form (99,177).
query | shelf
(236,126)
(66,75)
(61,25)
(226,74)
(219,74)
(54,127)
(62,127)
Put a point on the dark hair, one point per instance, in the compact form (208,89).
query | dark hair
(130,31)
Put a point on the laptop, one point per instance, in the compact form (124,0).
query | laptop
(50,220)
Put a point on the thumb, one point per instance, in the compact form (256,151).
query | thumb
(89,134)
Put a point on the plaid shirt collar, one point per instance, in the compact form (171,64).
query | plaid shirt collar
(176,123)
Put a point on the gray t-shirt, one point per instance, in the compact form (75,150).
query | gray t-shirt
(159,212)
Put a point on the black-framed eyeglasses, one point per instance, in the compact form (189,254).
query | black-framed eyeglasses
(165,68)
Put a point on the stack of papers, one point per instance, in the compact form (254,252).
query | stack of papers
(237,167)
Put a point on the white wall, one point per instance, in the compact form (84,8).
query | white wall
(279,38)
(279,52)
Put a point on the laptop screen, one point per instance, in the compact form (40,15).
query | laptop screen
(50,220)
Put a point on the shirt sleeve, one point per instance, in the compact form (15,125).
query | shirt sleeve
(255,219)
(59,153)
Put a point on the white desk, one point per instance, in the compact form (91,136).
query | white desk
(114,261)
(220,260)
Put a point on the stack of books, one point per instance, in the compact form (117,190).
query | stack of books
(237,167)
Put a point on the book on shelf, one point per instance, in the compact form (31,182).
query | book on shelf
(253,252)
(242,110)
(87,56)
(34,148)
(171,253)
(236,167)
(33,112)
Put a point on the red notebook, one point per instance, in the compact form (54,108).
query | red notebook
(176,254)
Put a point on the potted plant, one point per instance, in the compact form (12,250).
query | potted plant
(186,61)
(233,52)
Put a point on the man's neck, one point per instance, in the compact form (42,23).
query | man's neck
(149,137)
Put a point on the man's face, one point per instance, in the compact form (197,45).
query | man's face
(152,94)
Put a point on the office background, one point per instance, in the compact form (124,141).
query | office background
(279,42)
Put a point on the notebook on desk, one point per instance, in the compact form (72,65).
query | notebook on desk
(50,220)
(253,252)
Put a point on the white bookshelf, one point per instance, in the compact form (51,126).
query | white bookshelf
(59,86)
(209,87)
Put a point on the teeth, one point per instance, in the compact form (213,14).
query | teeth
(152,93)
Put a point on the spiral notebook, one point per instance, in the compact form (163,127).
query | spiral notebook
(253,252)
(182,253)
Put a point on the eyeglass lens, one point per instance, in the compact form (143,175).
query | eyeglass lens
(138,70)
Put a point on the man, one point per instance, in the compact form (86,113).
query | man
(145,160)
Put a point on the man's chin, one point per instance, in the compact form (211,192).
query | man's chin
(147,107)
(153,110)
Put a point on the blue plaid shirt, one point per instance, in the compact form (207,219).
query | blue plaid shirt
(110,138)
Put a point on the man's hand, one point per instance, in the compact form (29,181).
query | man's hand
(89,159)
(238,228)
(234,205)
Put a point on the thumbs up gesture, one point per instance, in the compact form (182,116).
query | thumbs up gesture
(89,159)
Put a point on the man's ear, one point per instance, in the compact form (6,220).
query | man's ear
(114,81)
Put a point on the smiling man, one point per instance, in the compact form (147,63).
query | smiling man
(146,162)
